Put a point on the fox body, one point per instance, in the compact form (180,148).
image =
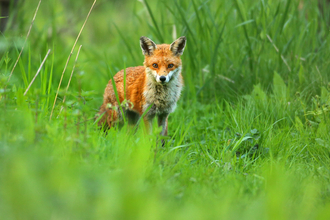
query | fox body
(157,84)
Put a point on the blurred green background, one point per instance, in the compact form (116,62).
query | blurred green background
(248,140)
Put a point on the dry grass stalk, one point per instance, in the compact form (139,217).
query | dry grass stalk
(277,50)
(74,45)
(35,76)
(67,87)
(28,34)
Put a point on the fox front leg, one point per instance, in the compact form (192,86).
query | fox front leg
(162,121)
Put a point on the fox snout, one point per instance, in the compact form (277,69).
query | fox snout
(165,77)
(162,78)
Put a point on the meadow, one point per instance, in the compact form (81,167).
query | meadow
(249,138)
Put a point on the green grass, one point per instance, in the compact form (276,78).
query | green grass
(250,138)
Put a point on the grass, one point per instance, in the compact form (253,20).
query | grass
(248,140)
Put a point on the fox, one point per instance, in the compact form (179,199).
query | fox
(152,90)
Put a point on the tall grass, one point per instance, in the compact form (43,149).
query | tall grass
(248,140)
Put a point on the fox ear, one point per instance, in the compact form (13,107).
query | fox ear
(147,46)
(177,47)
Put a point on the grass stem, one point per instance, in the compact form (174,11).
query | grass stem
(67,87)
(66,64)
(35,76)
(27,36)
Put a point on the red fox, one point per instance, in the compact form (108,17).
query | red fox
(158,83)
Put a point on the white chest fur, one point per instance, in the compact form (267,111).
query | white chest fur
(163,96)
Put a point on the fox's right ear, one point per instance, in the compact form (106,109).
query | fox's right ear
(147,46)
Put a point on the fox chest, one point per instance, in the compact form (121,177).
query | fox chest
(163,98)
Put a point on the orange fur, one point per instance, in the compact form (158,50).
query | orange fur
(135,77)
(157,83)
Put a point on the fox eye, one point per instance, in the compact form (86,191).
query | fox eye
(170,65)
(155,65)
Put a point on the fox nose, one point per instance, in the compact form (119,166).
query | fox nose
(162,78)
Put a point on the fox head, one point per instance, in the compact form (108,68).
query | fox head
(162,61)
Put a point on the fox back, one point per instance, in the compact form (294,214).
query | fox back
(155,86)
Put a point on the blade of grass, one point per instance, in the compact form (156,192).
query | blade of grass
(67,87)
(28,34)
(142,116)
(35,76)
(50,78)
(160,36)
(117,97)
(245,34)
(66,64)
(184,20)
(285,15)
(126,42)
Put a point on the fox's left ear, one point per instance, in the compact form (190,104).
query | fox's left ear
(177,47)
